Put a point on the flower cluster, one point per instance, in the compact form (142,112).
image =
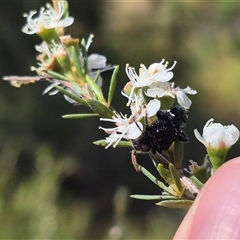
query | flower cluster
(147,92)
(63,60)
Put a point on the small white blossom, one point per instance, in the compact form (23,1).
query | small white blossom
(48,54)
(127,128)
(157,72)
(48,18)
(217,136)
(169,90)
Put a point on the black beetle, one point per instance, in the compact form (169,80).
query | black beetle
(160,135)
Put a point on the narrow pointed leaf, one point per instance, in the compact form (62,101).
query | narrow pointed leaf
(196,182)
(97,76)
(100,108)
(74,54)
(72,96)
(103,143)
(84,55)
(112,86)
(58,76)
(176,178)
(81,115)
(156,181)
(193,179)
(152,197)
(164,173)
(175,203)
(178,154)
(96,90)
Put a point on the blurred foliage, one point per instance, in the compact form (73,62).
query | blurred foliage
(54,183)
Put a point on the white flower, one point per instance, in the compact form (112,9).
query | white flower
(157,72)
(169,90)
(47,19)
(127,128)
(217,136)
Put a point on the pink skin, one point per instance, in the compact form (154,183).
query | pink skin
(216,212)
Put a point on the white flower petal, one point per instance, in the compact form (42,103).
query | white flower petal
(155,92)
(183,99)
(214,135)
(134,131)
(209,122)
(163,77)
(199,137)
(152,107)
(143,83)
(89,41)
(65,22)
(190,91)
(96,61)
(232,134)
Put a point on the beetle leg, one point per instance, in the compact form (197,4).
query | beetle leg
(134,160)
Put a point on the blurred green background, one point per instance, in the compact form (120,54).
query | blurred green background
(54,183)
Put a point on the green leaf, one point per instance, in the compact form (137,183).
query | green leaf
(72,96)
(100,108)
(81,115)
(196,182)
(97,76)
(84,56)
(156,181)
(78,89)
(175,203)
(73,51)
(194,179)
(152,197)
(176,178)
(178,154)
(58,76)
(103,143)
(96,90)
(164,173)
(112,86)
